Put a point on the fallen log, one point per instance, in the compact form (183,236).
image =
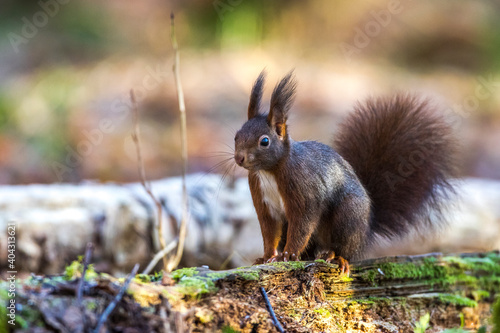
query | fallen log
(55,222)
(391,294)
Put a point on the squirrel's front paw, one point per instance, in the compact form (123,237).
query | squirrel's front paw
(284,256)
(274,258)
(290,256)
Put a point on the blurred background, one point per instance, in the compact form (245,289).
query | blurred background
(66,68)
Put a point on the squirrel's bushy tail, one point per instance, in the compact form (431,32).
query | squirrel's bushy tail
(404,154)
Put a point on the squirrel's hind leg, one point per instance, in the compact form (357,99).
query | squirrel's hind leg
(343,230)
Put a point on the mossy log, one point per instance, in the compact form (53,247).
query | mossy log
(392,294)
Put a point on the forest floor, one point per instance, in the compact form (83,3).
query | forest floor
(428,293)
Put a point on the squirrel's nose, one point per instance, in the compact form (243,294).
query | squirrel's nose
(239,159)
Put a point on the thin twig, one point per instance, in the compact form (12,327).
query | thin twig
(118,297)
(160,255)
(136,137)
(271,311)
(182,109)
(81,283)
(86,261)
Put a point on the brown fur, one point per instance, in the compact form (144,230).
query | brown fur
(403,152)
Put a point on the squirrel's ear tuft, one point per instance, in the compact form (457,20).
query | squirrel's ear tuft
(281,101)
(256,95)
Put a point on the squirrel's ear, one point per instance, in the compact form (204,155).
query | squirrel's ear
(281,101)
(256,95)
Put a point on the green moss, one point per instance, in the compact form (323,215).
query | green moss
(4,294)
(385,301)
(369,276)
(490,283)
(75,270)
(460,278)
(172,297)
(289,265)
(243,267)
(394,271)
(157,276)
(346,278)
(495,318)
(204,316)
(480,294)
(192,285)
(320,260)
(21,322)
(482,329)
(144,278)
(195,286)
(366,301)
(70,272)
(456,330)
(490,263)
(250,275)
(455,270)
(3,314)
(457,261)
(428,269)
(423,324)
(229,329)
(294,313)
(457,300)
(184,272)
(323,312)
(29,317)
(91,305)
(218,275)
(26,316)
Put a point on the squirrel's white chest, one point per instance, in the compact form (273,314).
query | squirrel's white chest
(271,195)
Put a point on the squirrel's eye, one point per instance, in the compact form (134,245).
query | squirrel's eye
(264,141)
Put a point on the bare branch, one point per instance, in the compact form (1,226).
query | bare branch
(271,311)
(81,283)
(116,300)
(136,137)
(160,255)
(182,109)
(86,261)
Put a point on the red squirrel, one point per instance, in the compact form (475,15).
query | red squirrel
(390,166)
